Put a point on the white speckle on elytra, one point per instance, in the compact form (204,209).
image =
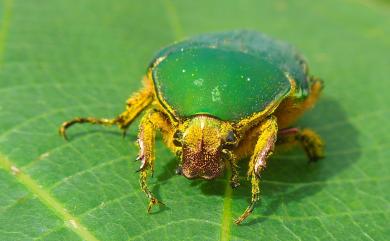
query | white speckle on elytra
(248,79)
(182,49)
(183,70)
(216,94)
(198,82)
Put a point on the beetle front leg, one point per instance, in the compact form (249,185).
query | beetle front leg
(232,159)
(150,123)
(263,149)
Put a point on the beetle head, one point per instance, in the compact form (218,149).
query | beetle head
(202,140)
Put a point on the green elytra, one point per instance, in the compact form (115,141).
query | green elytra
(229,75)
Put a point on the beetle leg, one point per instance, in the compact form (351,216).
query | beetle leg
(232,159)
(152,121)
(135,104)
(310,141)
(263,149)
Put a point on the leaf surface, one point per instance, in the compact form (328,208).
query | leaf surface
(66,58)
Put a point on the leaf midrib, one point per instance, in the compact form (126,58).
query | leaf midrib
(46,198)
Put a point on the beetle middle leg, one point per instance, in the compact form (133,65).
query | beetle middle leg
(263,149)
(135,105)
(152,121)
(310,141)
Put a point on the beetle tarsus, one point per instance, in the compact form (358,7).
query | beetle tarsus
(152,202)
(247,211)
(81,120)
(62,132)
(234,184)
(152,199)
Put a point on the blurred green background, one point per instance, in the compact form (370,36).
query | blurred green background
(66,58)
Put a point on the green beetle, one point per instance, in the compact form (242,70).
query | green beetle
(217,98)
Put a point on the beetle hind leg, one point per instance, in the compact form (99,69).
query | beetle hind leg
(135,105)
(310,141)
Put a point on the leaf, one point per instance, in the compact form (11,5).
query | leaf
(60,59)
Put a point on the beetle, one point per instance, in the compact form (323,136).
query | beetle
(218,98)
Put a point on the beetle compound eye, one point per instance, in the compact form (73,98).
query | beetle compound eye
(178,135)
(231,137)
(177,138)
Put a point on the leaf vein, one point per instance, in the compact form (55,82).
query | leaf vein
(47,199)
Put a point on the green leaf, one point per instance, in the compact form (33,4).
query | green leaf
(61,59)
